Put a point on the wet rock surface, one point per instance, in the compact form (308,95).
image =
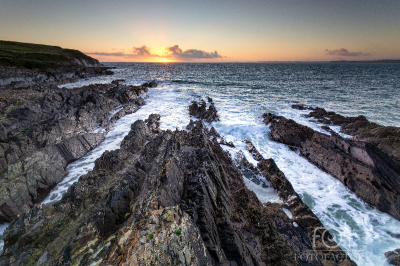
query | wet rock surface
(385,138)
(364,167)
(393,257)
(303,230)
(20,78)
(43,131)
(164,198)
(200,110)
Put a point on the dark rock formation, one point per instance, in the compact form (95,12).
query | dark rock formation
(304,231)
(40,135)
(362,166)
(16,78)
(164,198)
(393,257)
(200,110)
(385,138)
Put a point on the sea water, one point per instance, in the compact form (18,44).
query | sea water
(242,92)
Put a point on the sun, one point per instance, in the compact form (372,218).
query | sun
(165,60)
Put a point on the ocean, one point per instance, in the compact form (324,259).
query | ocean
(242,92)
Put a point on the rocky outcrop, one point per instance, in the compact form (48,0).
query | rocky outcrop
(362,166)
(164,198)
(44,133)
(393,257)
(385,138)
(17,78)
(200,110)
(303,230)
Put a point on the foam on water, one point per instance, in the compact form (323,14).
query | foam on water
(364,232)
(2,228)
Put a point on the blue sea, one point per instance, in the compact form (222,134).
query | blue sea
(242,92)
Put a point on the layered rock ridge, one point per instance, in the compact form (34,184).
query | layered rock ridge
(304,232)
(42,132)
(367,164)
(164,198)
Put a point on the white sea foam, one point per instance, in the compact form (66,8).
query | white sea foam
(2,228)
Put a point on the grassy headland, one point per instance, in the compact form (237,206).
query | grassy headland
(40,57)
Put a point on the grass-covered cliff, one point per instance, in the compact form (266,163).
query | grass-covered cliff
(41,57)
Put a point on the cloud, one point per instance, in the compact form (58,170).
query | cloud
(176,52)
(137,52)
(108,54)
(171,52)
(345,52)
(142,51)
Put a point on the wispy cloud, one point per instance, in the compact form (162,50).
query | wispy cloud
(137,52)
(345,52)
(173,52)
(176,52)
(108,54)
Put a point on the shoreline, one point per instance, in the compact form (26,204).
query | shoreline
(217,106)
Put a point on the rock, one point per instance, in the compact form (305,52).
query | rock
(393,257)
(117,81)
(385,138)
(303,231)
(253,151)
(300,107)
(151,84)
(166,197)
(363,167)
(199,110)
(16,78)
(42,132)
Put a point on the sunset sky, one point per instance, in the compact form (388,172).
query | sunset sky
(209,31)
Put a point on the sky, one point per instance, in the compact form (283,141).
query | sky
(209,31)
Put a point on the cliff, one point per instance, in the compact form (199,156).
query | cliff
(26,64)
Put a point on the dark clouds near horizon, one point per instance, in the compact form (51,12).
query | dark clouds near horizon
(345,52)
(172,52)
(177,52)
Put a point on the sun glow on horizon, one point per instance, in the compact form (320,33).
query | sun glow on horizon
(165,60)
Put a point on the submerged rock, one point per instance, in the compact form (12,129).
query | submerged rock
(362,166)
(164,198)
(40,136)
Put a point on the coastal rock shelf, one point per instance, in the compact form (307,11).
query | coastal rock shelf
(367,164)
(165,197)
(43,131)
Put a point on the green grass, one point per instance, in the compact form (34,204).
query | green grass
(38,56)
(151,236)
(177,232)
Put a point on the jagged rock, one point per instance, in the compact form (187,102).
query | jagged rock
(16,78)
(393,257)
(304,231)
(39,137)
(363,167)
(385,138)
(175,198)
(199,110)
(253,151)
(151,84)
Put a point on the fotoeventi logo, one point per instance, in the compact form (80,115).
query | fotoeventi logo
(328,236)
(325,246)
